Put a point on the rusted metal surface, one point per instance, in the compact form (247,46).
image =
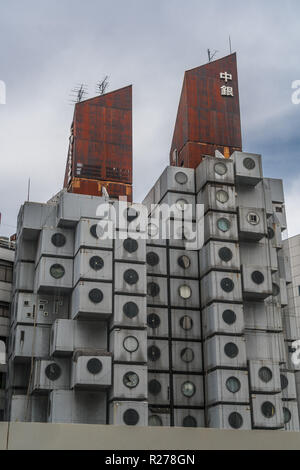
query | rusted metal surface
(100,150)
(206,120)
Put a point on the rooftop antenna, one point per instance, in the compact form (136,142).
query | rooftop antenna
(101,86)
(28,190)
(230,45)
(211,54)
(78,93)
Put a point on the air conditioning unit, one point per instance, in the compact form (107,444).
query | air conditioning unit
(219,255)
(214,170)
(227,386)
(184,293)
(128,413)
(30,341)
(189,418)
(28,409)
(129,345)
(220,226)
(290,415)
(91,370)
(221,318)
(217,197)
(221,287)
(55,242)
(288,385)
(130,249)
(130,382)
(80,407)
(158,388)
(156,261)
(54,275)
(51,375)
(186,356)
(24,276)
(263,316)
(252,223)
(248,168)
(92,265)
(257,282)
(158,355)
(188,390)
(159,417)
(267,412)
(93,234)
(225,351)
(157,291)
(130,278)
(68,335)
(129,311)
(91,300)
(183,263)
(234,417)
(264,377)
(186,325)
(265,346)
(178,179)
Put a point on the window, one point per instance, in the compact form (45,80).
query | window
(249,163)
(225,254)
(223,224)
(96,296)
(181,178)
(6,271)
(186,323)
(284,381)
(231,350)
(53,371)
(185,292)
(189,422)
(298,290)
(184,262)
(278,209)
(131,417)
(131,214)
(131,344)
(152,259)
(155,420)
(153,321)
(94,366)
(188,389)
(153,353)
(130,309)
(131,277)
(233,384)
(220,169)
(222,196)
(96,263)
(58,240)
(229,317)
(271,233)
(154,387)
(4,310)
(187,355)
(130,245)
(268,409)
(57,271)
(235,420)
(287,416)
(131,380)
(153,289)
(276,289)
(265,374)
(180,204)
(257,277)
(253,218)
(227,284)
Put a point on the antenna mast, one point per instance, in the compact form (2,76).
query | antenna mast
(78,93)
(101,86)
(211,54)
(230,45)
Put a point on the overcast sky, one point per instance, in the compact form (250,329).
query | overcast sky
(49,46)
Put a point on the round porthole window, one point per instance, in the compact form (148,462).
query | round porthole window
(265,374)
(57,271)
(152,259)
(130,309)
(96,296)
(96,263)
(153,353)
(222,196)
(227,284)
(131,417)
(284,381)
(131,344)
(231,350)
(235,420)
(189,422)
(229,317)
(94,366)
(153,289)
(249,163)
(253,218)
(220,169)
(131,380)
(181,178)
(271,233)
(186,323)
(225,254)
(131,277)
(131,214)
(276,290)
(53,371)
(153,321)
(155,420)
(188,389)
(154,387)
(130,245)
(233,384)
(184,262)
(181,204)
(96,231)
(268,409)
(287,416)
(152,230)
(187,355)
(257,277)
(223,224)
(58,240)
(185,292)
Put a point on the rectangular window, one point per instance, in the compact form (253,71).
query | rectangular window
(6,272)
(4,310)
(298,290)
